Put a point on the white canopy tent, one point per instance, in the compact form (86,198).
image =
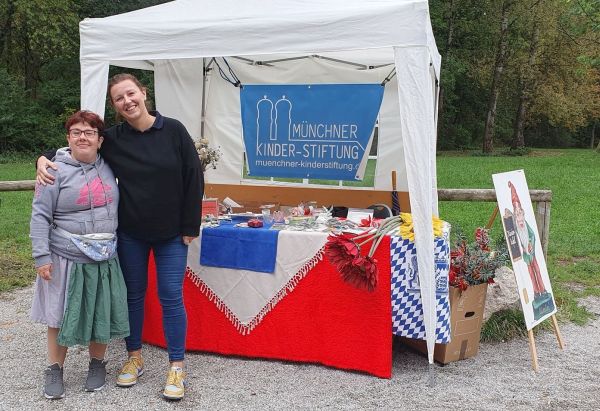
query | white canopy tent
(313,41)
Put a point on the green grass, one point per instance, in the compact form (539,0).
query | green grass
(16,264)
(574,246)
(572,175)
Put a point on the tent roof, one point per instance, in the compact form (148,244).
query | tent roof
(207,28)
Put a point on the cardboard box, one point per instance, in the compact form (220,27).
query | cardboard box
(466,316)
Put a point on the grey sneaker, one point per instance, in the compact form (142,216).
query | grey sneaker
(96,377)
(53,385)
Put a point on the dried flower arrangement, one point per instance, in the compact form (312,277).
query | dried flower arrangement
(476,263)
(208,156)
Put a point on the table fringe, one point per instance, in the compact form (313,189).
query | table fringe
(287,288)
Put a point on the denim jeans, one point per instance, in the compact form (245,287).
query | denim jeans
(170,257)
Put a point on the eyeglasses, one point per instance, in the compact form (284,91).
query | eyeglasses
(74,132)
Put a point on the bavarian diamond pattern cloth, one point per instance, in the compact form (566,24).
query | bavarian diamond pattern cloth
(407,309)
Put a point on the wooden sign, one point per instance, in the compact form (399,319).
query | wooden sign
(529,264)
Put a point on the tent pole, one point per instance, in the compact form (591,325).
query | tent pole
(253,62)
(203,109)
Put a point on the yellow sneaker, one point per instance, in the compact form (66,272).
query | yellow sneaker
(132,369)
(175,387)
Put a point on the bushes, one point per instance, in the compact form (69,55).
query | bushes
(25,125)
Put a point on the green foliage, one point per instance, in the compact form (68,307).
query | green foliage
(557,73)
(39,67)
(25,125)
(504,325)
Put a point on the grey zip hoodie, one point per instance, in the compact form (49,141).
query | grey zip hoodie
(83,200)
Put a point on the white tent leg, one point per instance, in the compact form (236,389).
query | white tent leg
(94,77)
(418,130)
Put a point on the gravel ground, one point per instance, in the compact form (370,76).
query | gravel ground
(500,377)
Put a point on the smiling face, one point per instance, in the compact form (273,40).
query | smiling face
(84,142)
(128,99)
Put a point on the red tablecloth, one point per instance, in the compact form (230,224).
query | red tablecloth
(323,320)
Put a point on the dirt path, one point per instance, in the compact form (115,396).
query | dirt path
(499,378)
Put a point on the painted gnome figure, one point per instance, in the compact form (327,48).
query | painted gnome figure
(542,301)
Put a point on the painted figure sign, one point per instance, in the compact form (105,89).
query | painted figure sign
(523,239)
(309,131)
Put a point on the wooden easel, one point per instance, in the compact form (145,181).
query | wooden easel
(532,349)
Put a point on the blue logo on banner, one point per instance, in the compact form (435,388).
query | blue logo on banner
(308,131)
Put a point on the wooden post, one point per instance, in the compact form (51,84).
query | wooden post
(561,343)
(533,350)
(492,218)
(542,218)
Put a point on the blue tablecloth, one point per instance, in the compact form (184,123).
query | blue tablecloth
(228,246)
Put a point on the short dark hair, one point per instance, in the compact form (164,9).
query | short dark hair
(85,116)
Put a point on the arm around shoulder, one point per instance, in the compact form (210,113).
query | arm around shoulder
(42,164)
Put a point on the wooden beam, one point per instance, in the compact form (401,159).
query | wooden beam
(475,194)
(334,194)
(24,185)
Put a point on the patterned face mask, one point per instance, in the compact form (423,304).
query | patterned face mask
(97,246)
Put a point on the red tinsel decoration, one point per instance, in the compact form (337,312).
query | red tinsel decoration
(482,238)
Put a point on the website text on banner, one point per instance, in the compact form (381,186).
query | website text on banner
(309,131)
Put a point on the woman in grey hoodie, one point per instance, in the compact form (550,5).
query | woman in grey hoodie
(81,300)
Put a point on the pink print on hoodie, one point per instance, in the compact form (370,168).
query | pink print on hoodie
(101,194)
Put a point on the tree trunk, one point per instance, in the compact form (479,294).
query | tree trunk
(449,39)
(518,140)
(593,137)
(6,29)
(526,86)
(593,132)
(32,72)
(488,136)
(440,111)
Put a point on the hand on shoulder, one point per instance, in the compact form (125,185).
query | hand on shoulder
(43,176)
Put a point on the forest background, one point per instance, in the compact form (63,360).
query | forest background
(515,73)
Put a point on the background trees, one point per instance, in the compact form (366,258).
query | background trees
(39,67)
(515,73)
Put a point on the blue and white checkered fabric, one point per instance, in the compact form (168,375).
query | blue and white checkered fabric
(407,309)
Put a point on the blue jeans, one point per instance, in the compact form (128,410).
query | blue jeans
(170,257)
